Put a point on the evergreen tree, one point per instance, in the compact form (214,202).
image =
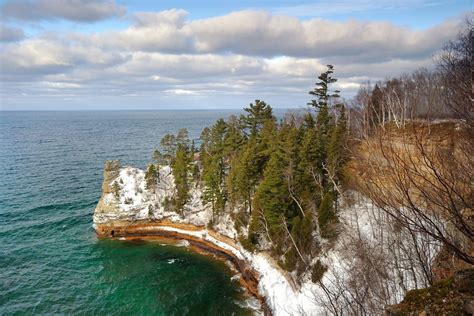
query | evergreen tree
(160,158)
(309,168)
(289,137)
(247,168)
(168,144)
(375,114)
(233,139)
(308,122)
(337,152)
(285,174)
(326,215)
(243,176)
(258,113)
(213,163)
(151,177)
(180,169)
(329,147)
(323,119)
(322,91)
(271,198)
(182,138)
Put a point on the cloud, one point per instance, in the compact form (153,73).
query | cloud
(258,33)
(230,59)
(43,56)
(74,10)
(10,34)
(174,17)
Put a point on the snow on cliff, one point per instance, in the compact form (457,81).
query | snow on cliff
(135,202)
(363,227)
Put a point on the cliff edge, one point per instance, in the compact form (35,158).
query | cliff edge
(367,238)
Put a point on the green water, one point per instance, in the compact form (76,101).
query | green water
(51,261)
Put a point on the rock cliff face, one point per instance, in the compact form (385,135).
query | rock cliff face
(126,210)
(111,172)
(108,206)
(125,198)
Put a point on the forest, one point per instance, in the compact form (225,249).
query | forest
(406,143)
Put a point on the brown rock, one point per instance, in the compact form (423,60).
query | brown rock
(111,171)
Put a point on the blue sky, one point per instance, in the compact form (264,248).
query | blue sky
(105,54)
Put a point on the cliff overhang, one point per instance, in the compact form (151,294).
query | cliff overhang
(198,239)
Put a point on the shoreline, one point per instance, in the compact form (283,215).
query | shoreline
(200,240)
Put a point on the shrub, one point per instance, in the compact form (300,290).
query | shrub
(116,190)
(318,271)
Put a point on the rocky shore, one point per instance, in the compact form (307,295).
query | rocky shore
(197,239)
(112,219)
(127,210)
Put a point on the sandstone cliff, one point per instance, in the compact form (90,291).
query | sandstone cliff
(370,255)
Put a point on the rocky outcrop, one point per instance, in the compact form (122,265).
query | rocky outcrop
(111,172)
(451,296)
(107,205)
(199,239)
(134,213)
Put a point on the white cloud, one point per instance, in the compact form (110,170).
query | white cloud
(258,33)
(246,54)
(180,91)
(74,10)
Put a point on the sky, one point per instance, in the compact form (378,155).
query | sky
(114,55)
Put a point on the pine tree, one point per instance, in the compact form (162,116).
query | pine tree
(151,177)
(337,152)
(271,198)
(329,145)
(247,168)
(159,157)
(322,91)
(326,215)
(258,113)
(308,122)
(289,137)
(213,162)
(168,144)
(309,166)
(233,139)
(180,169)
(243,176)
(182,138)
(323,119)
(376,115)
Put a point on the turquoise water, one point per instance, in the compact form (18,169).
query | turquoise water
(50,259)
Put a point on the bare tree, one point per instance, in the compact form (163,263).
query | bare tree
(425,182)
(455,66)
(374,266)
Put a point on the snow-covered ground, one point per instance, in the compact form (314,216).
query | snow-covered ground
(363,228)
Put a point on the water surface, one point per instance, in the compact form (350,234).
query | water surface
(50,259)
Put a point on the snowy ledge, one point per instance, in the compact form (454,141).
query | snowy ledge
(132,212)
(127,210)
(258,273)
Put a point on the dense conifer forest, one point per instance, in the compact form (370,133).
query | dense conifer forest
(282,179)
